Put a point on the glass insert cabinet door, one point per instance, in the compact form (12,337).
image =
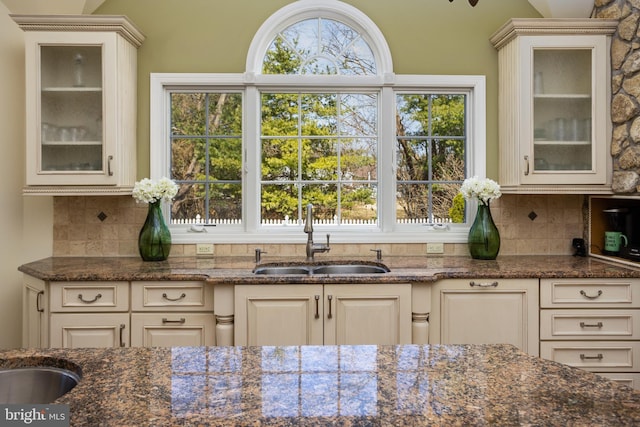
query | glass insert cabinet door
(567,131)
(71,109)
(81,109)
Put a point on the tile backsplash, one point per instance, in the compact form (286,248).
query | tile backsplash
(109,226)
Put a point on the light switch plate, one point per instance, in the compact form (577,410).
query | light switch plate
(435,248)
(204,248)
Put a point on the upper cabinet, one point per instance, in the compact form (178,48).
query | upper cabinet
(554,105)
(81,103)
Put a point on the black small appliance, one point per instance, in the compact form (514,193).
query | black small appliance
(627,221)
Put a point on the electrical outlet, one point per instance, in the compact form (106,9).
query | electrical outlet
(435,248)
(204,249)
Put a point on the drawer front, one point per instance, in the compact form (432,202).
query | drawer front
(603,356)
(171,296)
(589,324)
(172,330)
(602,293)
(629,379)
(89,296)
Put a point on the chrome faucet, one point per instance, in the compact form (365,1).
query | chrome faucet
(312,248)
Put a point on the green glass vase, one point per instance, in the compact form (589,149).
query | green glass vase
(484,238)
(154,241)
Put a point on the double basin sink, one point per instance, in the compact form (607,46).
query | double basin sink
(318,269)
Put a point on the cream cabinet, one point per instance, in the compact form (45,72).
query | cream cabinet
(34,313)
(322,314)
(278,315)
(81,103)
(554,114)
(89,314)
(117,313)
(593,324)
(485,311)
(166,314)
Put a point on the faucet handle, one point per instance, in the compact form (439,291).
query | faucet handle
(328,236)
(378,253)
(259,253)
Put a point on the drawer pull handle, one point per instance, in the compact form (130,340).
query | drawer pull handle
(183,295)
(591,325)
(329,297)
(181,321)
(585,357)
(483,285)
(317,297)
(584,294)
(89,301)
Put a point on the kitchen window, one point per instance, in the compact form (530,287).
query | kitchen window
(318,117)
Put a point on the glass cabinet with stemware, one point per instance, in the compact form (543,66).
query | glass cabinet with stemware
(554,105)
(81,103)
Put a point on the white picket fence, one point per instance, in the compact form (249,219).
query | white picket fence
(286,221)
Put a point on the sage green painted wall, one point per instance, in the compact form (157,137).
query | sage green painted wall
(213,36)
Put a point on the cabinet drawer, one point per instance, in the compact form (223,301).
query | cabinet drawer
(171,330)
(89,296)
(602,356)
(589,324)
(171,296)
(629,379)
(601,293)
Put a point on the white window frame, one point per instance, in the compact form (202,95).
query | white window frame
(251,83)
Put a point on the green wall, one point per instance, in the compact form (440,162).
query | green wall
(425,37)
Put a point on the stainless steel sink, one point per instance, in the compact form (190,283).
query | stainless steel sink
(349,269)
(281,270)
(35,384)
(272,270)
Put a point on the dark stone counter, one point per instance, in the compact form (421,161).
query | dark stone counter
(407,385)
(238,270)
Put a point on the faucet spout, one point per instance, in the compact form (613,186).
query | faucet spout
(308,225)
(312,248)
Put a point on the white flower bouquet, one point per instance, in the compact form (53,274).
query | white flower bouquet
(149,191)
(480,189)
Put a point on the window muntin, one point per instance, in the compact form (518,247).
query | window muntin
(319,148)
(431,158)
(206,157)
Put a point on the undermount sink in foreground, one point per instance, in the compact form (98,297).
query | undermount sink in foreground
(347,268)
(35,384)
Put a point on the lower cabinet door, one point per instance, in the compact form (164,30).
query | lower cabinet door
(89,330)
(486,311)
(172,329)
(367,314)
(278,315)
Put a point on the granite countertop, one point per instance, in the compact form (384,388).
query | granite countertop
(406,385)
(239,270)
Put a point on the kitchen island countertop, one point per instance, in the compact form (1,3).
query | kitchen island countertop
(406,385)
(404,269)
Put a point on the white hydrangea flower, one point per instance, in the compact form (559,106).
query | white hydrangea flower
(149,191)
(481,189)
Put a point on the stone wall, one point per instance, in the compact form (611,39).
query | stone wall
(625,90)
